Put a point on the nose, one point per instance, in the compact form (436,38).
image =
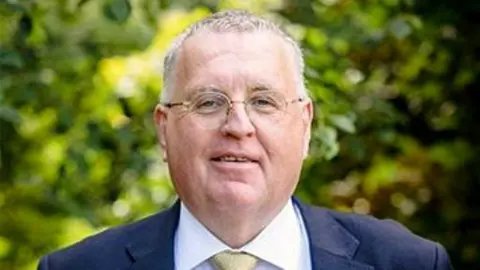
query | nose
(237,123)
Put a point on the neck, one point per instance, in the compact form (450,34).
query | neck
(236,227)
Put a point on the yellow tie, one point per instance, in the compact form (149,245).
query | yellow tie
(230,260)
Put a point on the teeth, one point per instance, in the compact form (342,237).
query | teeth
(233,159)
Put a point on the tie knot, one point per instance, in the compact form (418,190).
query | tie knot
(231,260)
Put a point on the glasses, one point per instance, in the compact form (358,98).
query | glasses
(211,109)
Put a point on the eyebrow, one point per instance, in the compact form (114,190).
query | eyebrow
(257,87)
(209,88)
(200,89)
(261,86)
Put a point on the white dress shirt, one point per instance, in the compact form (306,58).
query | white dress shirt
(283,244)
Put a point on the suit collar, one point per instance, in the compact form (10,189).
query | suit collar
(331,245)
(154,248)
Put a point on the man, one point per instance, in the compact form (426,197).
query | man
(234,125)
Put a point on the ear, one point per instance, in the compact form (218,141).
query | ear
(160,119)
(307,118)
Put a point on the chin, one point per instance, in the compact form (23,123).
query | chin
(240,197)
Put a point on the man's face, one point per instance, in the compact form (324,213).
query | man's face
(200,159)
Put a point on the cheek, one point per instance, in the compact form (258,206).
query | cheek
(186,145)
(180,144)
(283,145)
(284,153)
(184,151)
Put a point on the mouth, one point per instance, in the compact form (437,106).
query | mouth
(234,159)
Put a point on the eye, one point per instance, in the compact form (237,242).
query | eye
(265,102)
(208,103)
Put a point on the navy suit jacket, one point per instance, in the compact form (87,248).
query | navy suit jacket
(338,241)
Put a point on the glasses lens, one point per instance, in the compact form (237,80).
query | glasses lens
(208,103)
(209,109)
(266,108)
(266,103)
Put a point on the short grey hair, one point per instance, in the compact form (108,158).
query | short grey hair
(231,21)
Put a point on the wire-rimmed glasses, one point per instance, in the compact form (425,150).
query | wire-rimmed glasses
(211,109)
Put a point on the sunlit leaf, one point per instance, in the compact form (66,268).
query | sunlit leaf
(327,139)
(342,122)
(5,247)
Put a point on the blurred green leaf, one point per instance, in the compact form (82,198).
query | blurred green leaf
(118,10)
(383,173)
(400,28)
(5,247)
(14,7)
(25,26)
(327,139)
(9,114)
(82,2)
(342,122)
(11,59)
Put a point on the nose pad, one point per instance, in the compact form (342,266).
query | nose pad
(237,121)
(234,111)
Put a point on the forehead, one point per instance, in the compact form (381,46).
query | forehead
(235,60)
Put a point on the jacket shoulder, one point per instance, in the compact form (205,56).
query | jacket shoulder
(102,250)
(372,228)
(388,243)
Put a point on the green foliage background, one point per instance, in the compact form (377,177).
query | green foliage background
(395,135)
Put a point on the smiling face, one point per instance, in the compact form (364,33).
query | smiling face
(241,164)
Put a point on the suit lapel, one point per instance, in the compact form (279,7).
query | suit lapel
(331,245)
(154,250)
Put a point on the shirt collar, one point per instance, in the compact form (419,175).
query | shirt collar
(280,243)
